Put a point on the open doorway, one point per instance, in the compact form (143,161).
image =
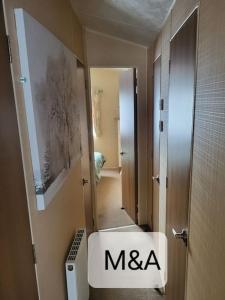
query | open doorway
(114,132)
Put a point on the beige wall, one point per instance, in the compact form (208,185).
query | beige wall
(53,228)
(108,81)
(206,256)
(106,51)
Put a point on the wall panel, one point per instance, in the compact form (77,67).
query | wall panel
(206,258)
(53,228)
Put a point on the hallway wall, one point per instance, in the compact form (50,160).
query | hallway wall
(106,51)
(52,229)
(108,81)
(206,256)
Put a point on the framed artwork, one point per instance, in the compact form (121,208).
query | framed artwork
(48,76)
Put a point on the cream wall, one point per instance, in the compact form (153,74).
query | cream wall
(206,256)
(106,51)
(52,229)
(108,81)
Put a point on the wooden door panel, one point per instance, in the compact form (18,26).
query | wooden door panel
(85,160)
(127,135)
(180,131)
(17,275)
(156,141)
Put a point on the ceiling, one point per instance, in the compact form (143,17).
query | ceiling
(137,21)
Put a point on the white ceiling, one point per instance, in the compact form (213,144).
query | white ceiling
(138,21)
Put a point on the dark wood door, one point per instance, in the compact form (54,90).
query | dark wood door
(127,100)
(180,131)
(17,272)
(86,156)
(156,142)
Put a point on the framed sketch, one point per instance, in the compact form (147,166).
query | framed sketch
(48,76)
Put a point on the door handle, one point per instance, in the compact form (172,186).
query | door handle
(84,181)
(183,235)
(156,178)
(122,153)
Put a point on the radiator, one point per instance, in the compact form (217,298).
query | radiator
(76,268)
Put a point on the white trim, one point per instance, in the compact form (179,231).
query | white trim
(25,73)
(196,7)
(157,58)
(42,200)
(120,227)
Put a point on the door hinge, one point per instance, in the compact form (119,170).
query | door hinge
(166,182)
(9,48)
(169,66)
(161,104)
(161,126)
(34,254)
(136,89)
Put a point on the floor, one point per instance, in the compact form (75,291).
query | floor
(109,201)
(125,294)
(112,218)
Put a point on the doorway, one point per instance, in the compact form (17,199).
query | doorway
(113,94)
(85,148)
(180,136)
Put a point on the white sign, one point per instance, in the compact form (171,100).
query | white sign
(127,260)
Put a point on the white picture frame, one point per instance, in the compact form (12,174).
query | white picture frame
(48,77)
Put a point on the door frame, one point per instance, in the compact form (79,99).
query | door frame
(158,58)
(192,11)
(90,142)
(135,134)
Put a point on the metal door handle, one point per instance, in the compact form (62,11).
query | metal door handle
(84,181)
(122,153)
(183,235)
(156,178)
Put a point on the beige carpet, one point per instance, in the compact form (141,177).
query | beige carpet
(109,202)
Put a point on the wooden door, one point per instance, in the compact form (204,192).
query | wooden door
(127,100)
(86,155)
(180,131)
(156,141)
(17,275)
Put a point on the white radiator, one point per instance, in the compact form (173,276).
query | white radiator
(76,268)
